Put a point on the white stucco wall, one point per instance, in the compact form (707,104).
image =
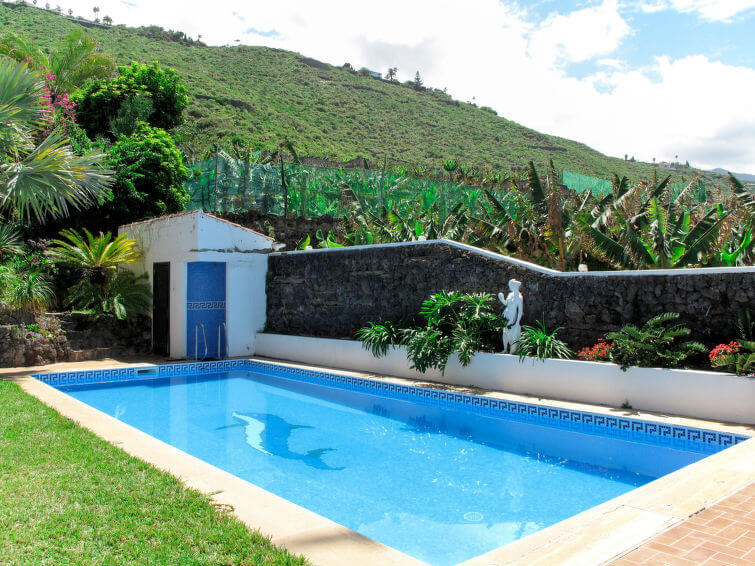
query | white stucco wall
(197,236)
(698,394)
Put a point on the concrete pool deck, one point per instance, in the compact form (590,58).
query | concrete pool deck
(607,532)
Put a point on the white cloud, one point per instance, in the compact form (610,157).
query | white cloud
(692,106)
(709,10)
(579,35)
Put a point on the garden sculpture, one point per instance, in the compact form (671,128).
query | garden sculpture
(513,308)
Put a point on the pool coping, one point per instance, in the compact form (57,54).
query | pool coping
(594,536)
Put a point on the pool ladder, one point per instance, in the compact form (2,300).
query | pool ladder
(196,341)
(225,334)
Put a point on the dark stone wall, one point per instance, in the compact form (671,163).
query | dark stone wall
(332,294)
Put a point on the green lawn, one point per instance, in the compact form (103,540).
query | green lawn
(68,497)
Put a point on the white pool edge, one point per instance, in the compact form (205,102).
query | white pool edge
(705,395)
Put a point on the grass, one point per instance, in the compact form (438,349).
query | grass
(69,497)
(264,96)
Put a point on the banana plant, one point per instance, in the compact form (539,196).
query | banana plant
(660,239)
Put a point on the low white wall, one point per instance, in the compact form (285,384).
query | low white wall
(698,394)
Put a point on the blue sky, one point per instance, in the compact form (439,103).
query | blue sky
(649,78)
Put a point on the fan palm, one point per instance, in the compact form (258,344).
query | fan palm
(73,62)
(10,240)
(45,180)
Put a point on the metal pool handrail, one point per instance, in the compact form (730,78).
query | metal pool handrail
(196,341)
(225,329)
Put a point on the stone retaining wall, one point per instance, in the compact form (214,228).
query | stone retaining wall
(333,293)
(69,337)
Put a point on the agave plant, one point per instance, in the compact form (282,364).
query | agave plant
(45,180)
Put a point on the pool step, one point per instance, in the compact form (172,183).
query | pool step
(89,354)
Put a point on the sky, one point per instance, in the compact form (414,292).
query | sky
(663,79)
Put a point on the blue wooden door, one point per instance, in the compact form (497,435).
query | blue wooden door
(205,305)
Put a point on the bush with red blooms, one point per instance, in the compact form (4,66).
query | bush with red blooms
(723,350)
(600,352)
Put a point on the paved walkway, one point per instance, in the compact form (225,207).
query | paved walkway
(721,534)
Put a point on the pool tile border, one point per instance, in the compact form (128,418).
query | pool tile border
(594,423)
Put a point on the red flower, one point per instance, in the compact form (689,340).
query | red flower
(732,348)
(597,353)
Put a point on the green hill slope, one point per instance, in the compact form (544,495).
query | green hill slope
(265,95)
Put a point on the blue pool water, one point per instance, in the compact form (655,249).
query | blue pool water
(439,483)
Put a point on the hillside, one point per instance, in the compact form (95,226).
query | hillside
(264,95)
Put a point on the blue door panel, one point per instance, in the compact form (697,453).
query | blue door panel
(205,304)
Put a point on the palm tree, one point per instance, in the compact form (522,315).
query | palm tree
(96,255)
(71,63)
(45,180)
(107,20)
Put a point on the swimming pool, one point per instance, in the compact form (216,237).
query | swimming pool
(441,476)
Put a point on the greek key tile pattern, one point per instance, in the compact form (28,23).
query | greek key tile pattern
(591,423)
(205,305)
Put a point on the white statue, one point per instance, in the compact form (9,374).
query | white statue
(513,308)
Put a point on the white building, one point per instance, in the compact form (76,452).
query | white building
(197,264)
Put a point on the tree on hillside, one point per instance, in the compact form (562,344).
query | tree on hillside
(101,104)
(107,20)
(96,11)
(418,84)
(391,74)
(45,180)
(68,65)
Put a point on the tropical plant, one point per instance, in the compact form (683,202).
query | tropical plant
(646,227)
(71,63)
(45,180)
(453,322)
(378,338)
(122,295)
(537,342)
(656,344)
(10,240)
(25,288)
(536,223)
(95,255)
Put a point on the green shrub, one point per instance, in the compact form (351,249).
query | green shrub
(25,287)
(454,322)
(656,344)
(101,103)
(149,177)
(537,342)
(124,295)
